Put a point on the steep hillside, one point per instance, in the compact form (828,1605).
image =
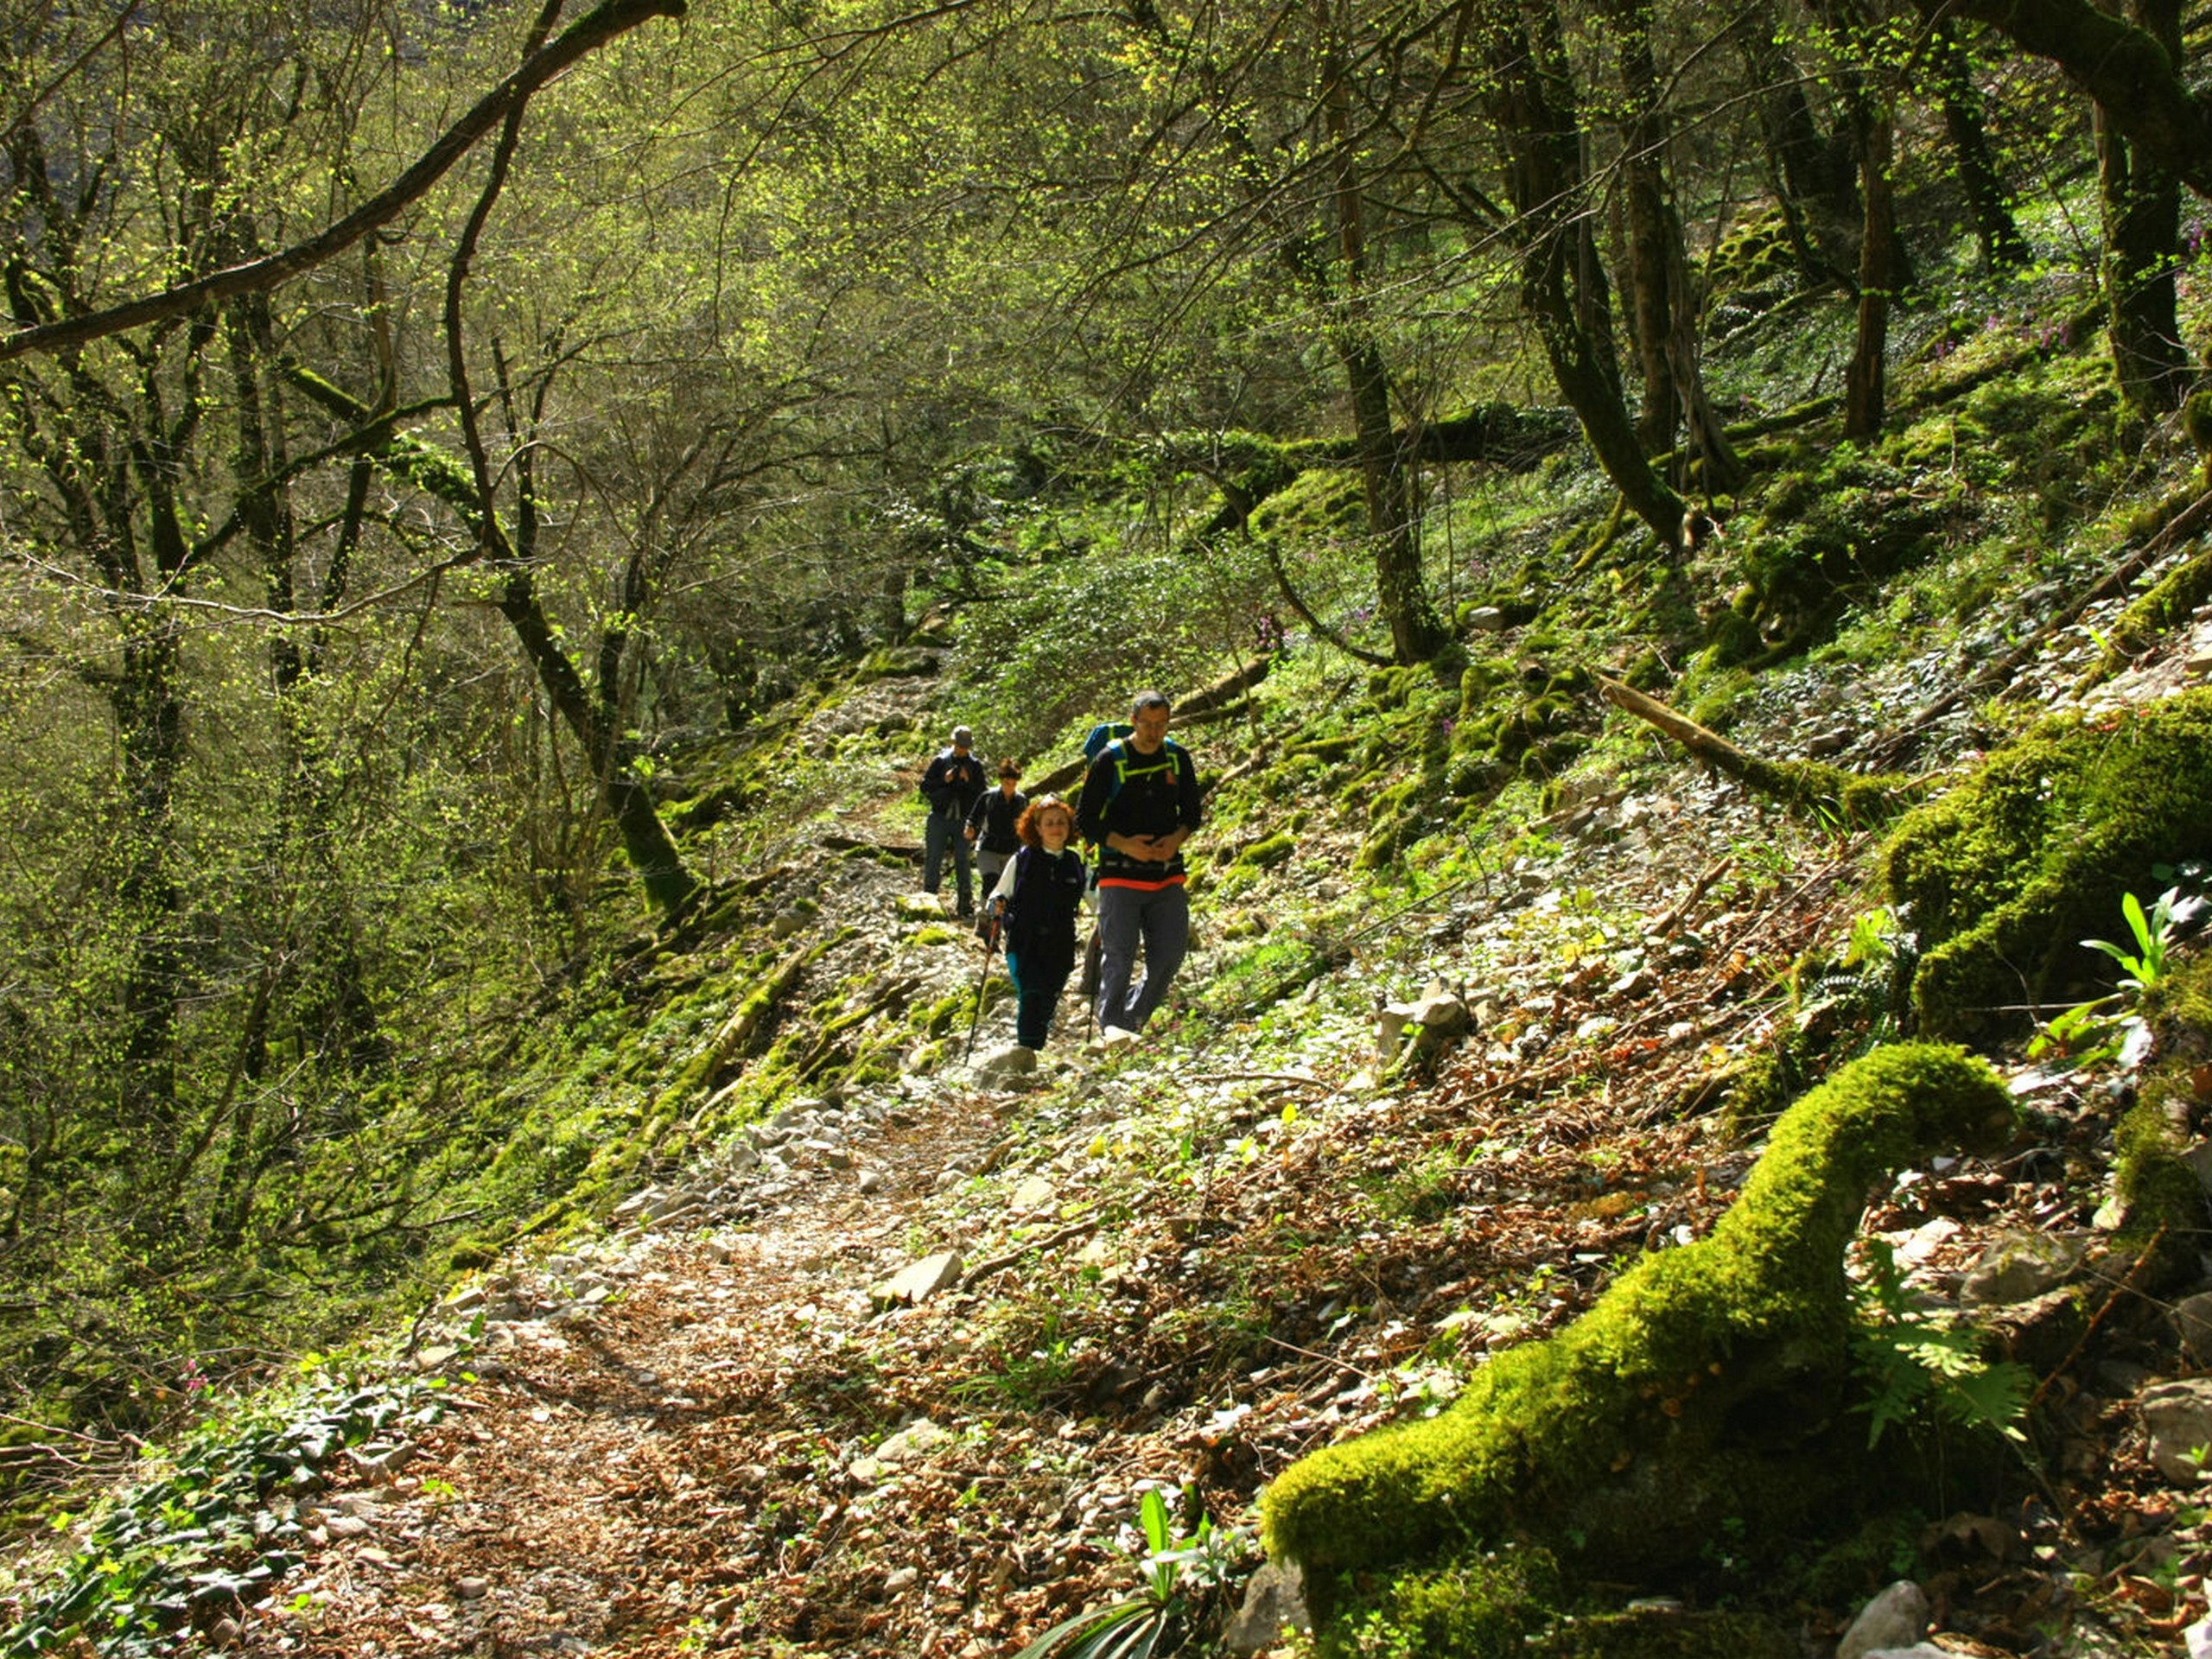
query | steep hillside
(788,1331)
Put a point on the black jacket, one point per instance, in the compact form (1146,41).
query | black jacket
(1041,912)
(1126,793)
(952,783)
(993,818)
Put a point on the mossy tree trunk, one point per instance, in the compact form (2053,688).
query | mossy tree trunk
(1416,632)
(1329,262)
(1866,380)
(1812,171)
(2141,204)
(1711,1378)
(112,449)
(312,957)
(1662,289)
(2135,75)
(1651,225)
(651,850)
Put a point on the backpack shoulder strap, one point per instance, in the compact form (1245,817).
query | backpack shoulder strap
(1119,751)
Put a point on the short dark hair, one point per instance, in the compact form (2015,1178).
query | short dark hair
(1145,700)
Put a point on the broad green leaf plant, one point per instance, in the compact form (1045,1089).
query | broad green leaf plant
(2113,1027)
(1177,1569)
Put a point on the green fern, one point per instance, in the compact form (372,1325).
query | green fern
(1914,1360)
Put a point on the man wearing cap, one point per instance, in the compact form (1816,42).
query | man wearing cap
(951,785)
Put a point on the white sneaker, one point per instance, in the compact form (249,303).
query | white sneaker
(1116,1037)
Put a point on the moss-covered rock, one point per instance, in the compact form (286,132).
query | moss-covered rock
(2003,877)
(1483,1604)
(2162,1201)
(1687,1389)
(1661,1634)
(898,662)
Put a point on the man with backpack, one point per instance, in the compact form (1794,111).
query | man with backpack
(1139,805)
(951,784)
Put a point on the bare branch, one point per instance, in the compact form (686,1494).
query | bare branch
(587,34)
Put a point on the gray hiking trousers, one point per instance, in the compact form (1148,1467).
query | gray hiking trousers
(1160,921)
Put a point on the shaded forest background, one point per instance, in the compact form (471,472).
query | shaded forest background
(435,442)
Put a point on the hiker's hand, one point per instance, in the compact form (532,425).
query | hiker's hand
(969,832)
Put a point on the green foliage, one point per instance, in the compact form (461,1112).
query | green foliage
(188,1548)
(1070,642)
(2117,1025)
(2145,969)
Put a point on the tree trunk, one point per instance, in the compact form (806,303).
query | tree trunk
(1652,229)
(652,849)
(1715,468)
(335,1016)
(1812,170)
(1864,391)
(1533,105)
(1416,632)
(1665,294)
(149,720)
(2131,70)
(2141,201)
(645,837)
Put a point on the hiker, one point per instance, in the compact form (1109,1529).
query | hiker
(950,785)
(992,826)
(1139,805)
(1037,895)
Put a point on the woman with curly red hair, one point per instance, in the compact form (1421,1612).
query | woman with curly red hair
(1038,896)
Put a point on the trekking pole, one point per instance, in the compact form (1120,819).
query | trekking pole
(1092,970)
(982,984)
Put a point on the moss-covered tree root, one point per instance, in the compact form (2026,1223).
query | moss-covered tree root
(1686,1390)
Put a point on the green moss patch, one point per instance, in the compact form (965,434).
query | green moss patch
(2003,877)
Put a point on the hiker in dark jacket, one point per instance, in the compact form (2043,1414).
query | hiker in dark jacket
(991,823)
(1038,896)
(1139,805)
(950,785)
